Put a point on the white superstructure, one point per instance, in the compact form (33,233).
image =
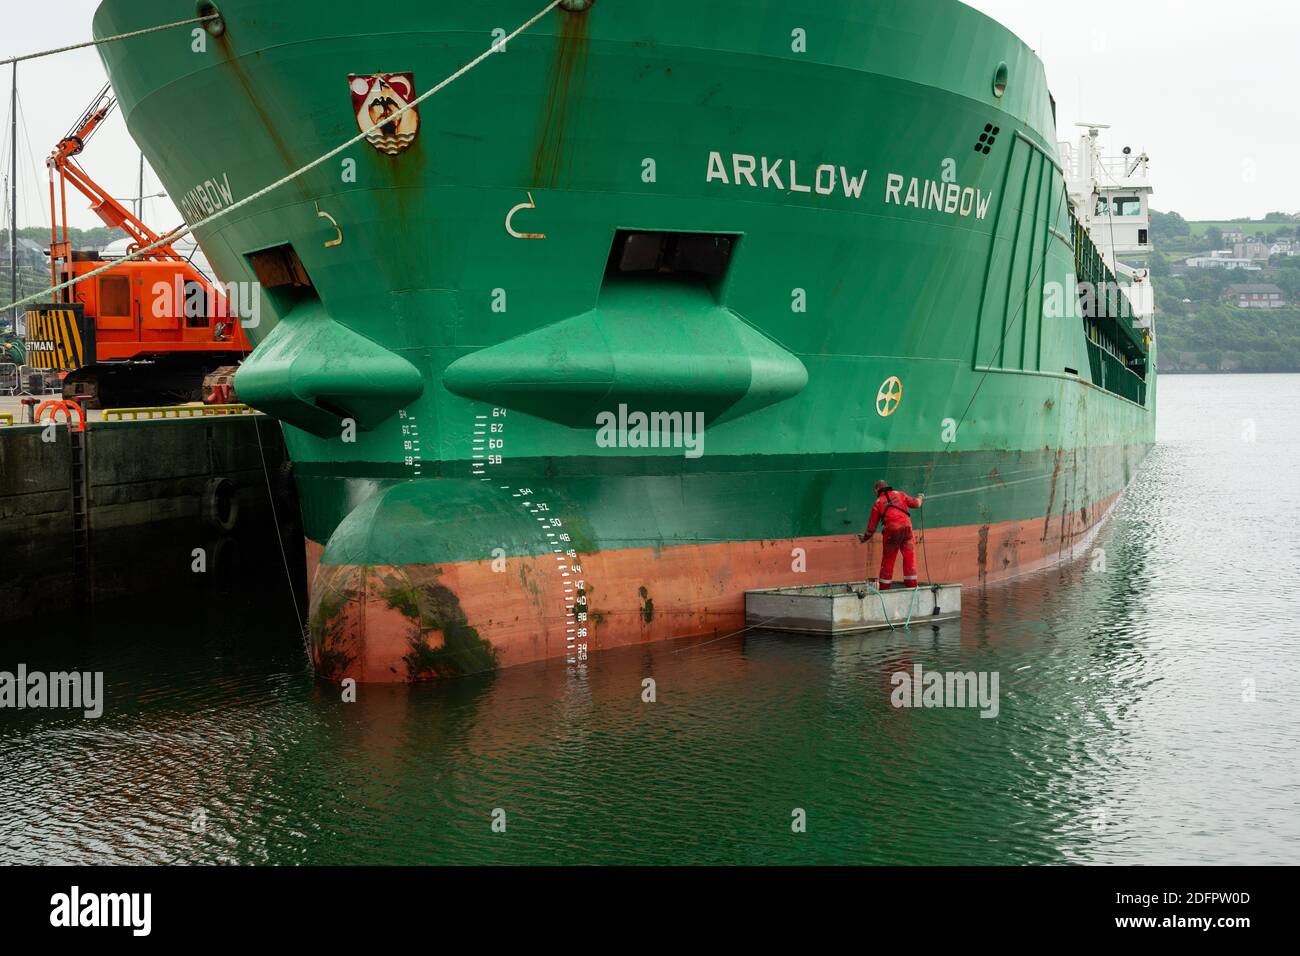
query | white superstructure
(1111,196)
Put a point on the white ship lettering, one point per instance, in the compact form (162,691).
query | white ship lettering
(206,198)
(826,179)
(948,198)
(775,173)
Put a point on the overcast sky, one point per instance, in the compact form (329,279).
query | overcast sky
(1210,89)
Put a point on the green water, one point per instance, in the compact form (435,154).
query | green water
(1123,733)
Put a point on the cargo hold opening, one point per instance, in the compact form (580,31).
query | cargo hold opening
(282,276)
(672,256)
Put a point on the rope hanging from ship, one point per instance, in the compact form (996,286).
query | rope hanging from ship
(188,229)
(118,36)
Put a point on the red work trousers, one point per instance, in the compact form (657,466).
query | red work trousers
(896,540)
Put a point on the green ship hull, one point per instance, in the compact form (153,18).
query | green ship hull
(834,235)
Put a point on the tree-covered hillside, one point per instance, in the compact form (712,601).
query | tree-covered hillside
(1197,330)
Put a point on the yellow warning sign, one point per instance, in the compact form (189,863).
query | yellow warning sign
(57,337)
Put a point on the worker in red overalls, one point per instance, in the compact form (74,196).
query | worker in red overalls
(894,509)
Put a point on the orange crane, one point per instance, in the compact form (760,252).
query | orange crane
(146,331)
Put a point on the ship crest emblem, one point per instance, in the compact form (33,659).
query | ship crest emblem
(377,101)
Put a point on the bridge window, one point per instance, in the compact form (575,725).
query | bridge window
(1127,206)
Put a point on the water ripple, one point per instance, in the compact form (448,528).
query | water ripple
(1147,713)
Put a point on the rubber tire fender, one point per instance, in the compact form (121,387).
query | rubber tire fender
(220,506)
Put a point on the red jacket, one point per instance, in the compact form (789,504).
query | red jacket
(894,508)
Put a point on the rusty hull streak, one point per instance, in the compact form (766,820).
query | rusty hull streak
(1051,497)
(647,605)
(231,59)
(570,64)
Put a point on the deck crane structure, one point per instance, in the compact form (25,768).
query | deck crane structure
(149,329)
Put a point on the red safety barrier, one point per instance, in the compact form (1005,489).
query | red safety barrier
(67,406)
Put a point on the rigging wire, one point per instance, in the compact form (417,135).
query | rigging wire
(1110,206)
(5,200)
(96,102)
(40,217)
(279,537)
(24,201)
(4,136)
(110,39)
(10,174)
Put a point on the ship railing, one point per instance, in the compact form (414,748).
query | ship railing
(8,378)
(1090,267)
(1110,373)
(1111,172)
(1065,150)
(1122,168)
(1109,370)
(147,412)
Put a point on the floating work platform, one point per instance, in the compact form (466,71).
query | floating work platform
(849,607)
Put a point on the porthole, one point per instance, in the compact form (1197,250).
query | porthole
(1000,78)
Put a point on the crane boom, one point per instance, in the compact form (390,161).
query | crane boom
(112,213)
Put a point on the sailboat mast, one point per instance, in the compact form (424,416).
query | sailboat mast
(13,194)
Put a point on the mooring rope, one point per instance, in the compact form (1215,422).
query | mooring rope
(189,229)
(279,537)
(118,36)
(747,627)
